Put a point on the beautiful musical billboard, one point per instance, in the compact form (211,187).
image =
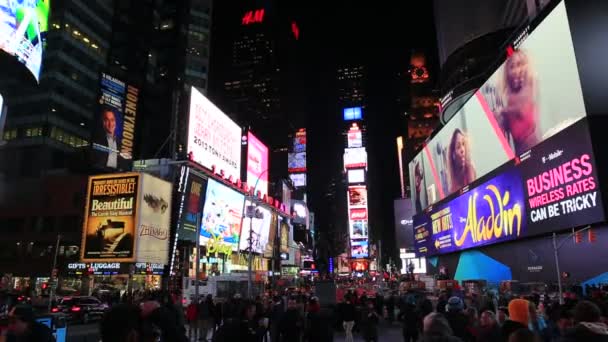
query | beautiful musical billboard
(114,128)
(257,164)
(153,225)
(533,95)
(222,214)
(554,186)
(23,30)
(110,218)
(214,140)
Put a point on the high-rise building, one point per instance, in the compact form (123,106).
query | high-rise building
(351,85)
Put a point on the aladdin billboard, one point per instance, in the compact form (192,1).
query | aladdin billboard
(553,187)
(534,94)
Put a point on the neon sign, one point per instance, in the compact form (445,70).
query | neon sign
(252,17)
(295,30)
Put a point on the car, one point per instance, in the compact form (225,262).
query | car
(82,309)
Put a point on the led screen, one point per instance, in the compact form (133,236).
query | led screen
(214,140)
(299,142)
(298,179)
(533,95)
(257,164)
(357,196)
(261,229)
(222,214)
(359,248)
(356,176)
(352,113)
(354,138)
(355,157)
(23,29)
(358,229)
(296,162)
(554,187)
(114,128)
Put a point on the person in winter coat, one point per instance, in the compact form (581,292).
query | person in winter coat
(318,324)
(519,317)
(292,323)
(458,320)
(369,323)
(588,326)
(192,319)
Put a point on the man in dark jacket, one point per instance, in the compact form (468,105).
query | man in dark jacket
(278,309)
(458,320)
(488,327)
(519,317)
(409,317)
(369,323)
(588,326)
(292,323)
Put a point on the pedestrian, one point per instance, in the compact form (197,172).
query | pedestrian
(588,325)
(192,319)
(409,317)
(369,323)
(318,327)
(206,314)
(277,311)
(523,335)
(349,315)
(519,317)
(22,326)
(458,320)
(123,323)
(436,328)
(488,327)
(291,324)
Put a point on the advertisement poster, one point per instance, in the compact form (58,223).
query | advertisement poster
(109,220)
(355,158)
(357,196)
(356,176)
(284,237)
(23,30)
(354,137)
(298,179)
(193,204)
(352,113)
(261,229)
(299,142)
(359,248)
(533,95)
(257,164)
(296,162)
(358,228)
(404,223)
(154,220)
(492,212)
(214,140)
(222,214)
(272,236)
(114,127)
(561,182)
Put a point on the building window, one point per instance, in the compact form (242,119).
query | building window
(10,134)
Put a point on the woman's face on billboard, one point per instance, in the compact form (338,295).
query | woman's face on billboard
(517,71)
(460,151)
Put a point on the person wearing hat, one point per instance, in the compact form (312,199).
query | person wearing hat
(519,317)
(457,319)
(23,326)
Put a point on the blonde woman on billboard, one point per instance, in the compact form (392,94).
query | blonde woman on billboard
(461,169)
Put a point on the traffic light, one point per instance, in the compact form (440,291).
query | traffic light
(591,236)
(577,237)
(44,286)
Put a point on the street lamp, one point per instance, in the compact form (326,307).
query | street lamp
(251,215)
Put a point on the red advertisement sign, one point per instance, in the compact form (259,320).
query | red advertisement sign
(358,214)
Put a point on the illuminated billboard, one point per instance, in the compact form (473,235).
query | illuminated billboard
(357,196)
(533,95)
(296,162)
(257,164)
(23,30)
(299,141)
(352,113)
(356,176)
(298,179)
(355,158)
(555,187)
(222,215)
(359,248)
(261,229)
(214,140)
(114,127)
(154,220)
(354,137)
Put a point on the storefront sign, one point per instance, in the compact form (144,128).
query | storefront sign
(215,245)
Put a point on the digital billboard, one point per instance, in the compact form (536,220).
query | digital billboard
(357,196)
(359,229)
(299,141)
(533,95)
(298,179)
(257,164)
(153,227)
(222,214)
(213,138)
(261,229)
(354,137)
(110,218)
(404,223)
(554,186)
(296,162)
(193,204)
(355,158)
(300,212)
(356,176)
(114,127)
(352,113)
(23,30)
(359,248)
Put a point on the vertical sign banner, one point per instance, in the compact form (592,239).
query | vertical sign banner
(154,220)
(358,221)
(257,164)
(192,206)
(214,140)
(114,126)
(109,219)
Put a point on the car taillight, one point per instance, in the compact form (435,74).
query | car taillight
(55,310)
(75,308)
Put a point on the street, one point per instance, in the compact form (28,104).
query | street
(90,333)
